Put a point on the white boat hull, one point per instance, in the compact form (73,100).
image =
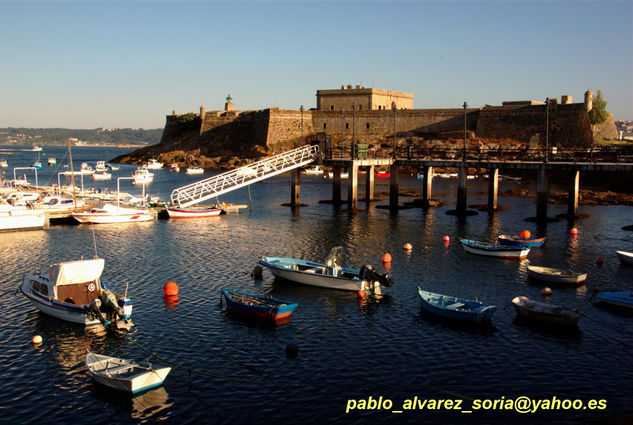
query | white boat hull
(498,253)
(124,375)
(22,219)
(625,257)
(549,274)
(193,213)
(313,274)
(113,214)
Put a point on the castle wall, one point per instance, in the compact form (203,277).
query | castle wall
(285,126)
(568,124)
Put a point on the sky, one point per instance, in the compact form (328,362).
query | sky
(118,64)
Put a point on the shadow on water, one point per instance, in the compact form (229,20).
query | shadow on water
(144,406)
(570,333)
(485,328)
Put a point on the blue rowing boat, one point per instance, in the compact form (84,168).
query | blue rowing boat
(494,250)
(257,306)
(456,308)
(619,299)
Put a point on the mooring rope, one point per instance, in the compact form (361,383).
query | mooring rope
(214,375)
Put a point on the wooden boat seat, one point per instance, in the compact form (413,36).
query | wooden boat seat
(121,369)
(455,305)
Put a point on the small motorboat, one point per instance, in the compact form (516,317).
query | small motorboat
(329,275)
(545,313)
(4,163)
(316,170)
(174,168)
(625,257)
(100,167)
(619,298)
(109,213)
(550,274)
(73,291)
(257,306)
(21,217)
(153,164)
(113,167)
(142,175)
(382,174)
(456,308)
(194,170)
(52,161)
(123,374)
(101,175)
(494,250)
(175,212)
(522,242)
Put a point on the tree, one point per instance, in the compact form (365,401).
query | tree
(598,113)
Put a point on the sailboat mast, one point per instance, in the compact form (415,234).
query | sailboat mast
(72,174)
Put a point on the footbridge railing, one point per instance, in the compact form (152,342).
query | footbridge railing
(240,177)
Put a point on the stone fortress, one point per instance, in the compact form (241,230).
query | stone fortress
(372,116)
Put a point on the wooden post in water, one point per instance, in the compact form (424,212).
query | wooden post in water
(393,187)
(493,189)
(352,186)
(427,185)
(462,191)
(572,201)
(541,195)
(295,188)
(336,185)
(369,184)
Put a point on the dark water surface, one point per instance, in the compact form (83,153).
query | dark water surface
(238,371)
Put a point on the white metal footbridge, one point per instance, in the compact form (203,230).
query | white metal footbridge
(240,177)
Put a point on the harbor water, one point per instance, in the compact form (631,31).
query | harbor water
(358,361)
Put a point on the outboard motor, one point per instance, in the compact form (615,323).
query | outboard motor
(110,304)
(369,273)
(95,308)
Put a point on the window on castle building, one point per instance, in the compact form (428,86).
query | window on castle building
(360,107)
(367,125)
(331,107)
(347,125)
(324,126)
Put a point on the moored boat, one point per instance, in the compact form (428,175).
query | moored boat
(20,217)
(545,313)
(494,250)
(382,174)
(123,374)
(625,257)
(456,308)
(73,291)
(316,170)
(142,175)
(198,212)
(109,213)
(153,164)
(519,241)
(618,298)
(194,170)
(329,275)
(257,306)
(101,175)
(550,274)
(174,168)
(100,166)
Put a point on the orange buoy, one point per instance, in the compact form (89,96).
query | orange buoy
(574,231)
(386,258)
(37,339)
(446,238)
(546,292)
(170,288)
(525,234)
(407,246)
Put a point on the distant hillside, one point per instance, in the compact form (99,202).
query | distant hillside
(60,136)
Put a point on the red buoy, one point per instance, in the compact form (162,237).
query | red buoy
(446,238)
(600,260)
(574,231)
(386,258)
(170,288)
(525,234)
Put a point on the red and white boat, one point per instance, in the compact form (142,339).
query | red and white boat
(175,212)
(382,174)
(109,213)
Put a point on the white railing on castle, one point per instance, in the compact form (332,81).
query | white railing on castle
(240,177)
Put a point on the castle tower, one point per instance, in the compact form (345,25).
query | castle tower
(228,106)
(589,100)
(203,112)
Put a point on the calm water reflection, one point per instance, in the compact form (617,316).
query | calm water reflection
(347,349)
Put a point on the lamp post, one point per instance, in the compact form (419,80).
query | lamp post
(353,120)
(301,109)
(393,108)
(546,128)
(464,153)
